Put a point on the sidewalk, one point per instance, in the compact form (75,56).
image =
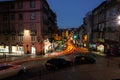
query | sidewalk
(13,57)
(98,53)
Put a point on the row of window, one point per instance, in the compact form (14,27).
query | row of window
(20,16)
(113,35)
(19,28)
(20,38)
(20,4)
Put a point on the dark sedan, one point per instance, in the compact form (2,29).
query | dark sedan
(83,59)
(57,63)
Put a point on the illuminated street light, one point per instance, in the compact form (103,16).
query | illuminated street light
(119,22)
(119,19)
(75,36)
(119,25)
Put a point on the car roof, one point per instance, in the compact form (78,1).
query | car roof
(55,59)
(87,56)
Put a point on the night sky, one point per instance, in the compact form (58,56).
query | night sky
(70,13)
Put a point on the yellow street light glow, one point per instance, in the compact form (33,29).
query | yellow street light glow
(118,17)
(119,22)
(26,31)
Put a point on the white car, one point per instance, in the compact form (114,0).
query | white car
(8,70)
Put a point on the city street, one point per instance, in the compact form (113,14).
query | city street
(105,68)
(101,70)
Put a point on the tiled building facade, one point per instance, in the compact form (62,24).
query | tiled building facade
(24,26)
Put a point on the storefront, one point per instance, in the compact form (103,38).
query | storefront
(92,46)
(100,48)
(47,46)
(100,45)
(18,49)
(33,50)
(112,47)
(4,49)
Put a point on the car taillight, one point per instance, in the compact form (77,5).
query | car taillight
(15,67)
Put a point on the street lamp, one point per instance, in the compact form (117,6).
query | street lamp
(119,19)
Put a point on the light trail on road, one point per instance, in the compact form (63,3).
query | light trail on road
(71,49)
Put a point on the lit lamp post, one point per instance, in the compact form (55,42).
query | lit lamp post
(119,25)
(119,19)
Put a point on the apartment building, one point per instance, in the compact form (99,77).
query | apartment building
(112,30)
(88,27)
(99,16)
(106,30)
(24,26)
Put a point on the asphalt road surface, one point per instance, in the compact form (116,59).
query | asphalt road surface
(101,70)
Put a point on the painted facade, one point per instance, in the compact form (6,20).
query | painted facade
(24,26)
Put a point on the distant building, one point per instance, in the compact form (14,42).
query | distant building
(81,34)
(88,21)
(24,25)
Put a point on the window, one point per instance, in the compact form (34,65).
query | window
(32,4)
(12,6)
(13,38)
(20,38)
(12,28)
(20,16)
(33,38)
(20,5)
(5,17)
(5,28)
(20,28)
(6,38)
(32,16)
(33,27)
(12,17)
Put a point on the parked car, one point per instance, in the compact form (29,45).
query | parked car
(84,59)
(57,63)
(9,70)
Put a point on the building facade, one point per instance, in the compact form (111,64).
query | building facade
(106,30)
(24,26)
(99,16)
(88,20)
(112,29)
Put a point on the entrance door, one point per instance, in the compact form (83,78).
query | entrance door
(33,50)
